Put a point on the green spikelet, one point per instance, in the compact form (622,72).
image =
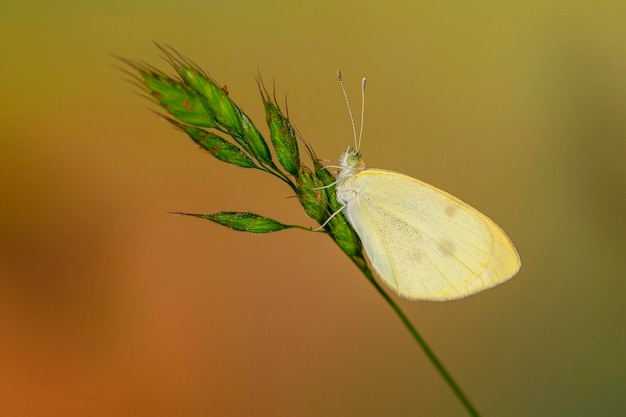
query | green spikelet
(227,114)
(282,135)
(216,146)
(311,195)
(243,221)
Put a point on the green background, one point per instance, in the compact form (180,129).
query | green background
(109,306)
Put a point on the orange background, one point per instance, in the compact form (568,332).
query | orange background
(109,306)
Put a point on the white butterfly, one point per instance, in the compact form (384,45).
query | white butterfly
(423,242)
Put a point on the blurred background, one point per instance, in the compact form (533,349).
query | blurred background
(110,306)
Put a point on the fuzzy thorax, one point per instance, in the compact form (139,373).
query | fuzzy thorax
(350,163)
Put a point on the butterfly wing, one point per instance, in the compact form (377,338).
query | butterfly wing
(423,242)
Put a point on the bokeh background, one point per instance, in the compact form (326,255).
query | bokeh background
(110,306)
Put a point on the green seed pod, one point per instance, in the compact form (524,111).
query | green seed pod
(345,236)
(217,146)
(328,181)
(176,98)
(283,137)
(312,197)
(242,221)
(227,113)
(257,144)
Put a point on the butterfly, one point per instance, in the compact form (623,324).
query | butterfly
(422,242)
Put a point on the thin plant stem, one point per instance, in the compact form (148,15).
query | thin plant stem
(469,407)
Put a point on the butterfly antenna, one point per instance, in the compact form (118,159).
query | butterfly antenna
(343,90)
(358,146)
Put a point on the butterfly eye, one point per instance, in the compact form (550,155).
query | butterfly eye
(352,160)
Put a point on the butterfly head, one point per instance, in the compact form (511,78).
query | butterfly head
(350,163)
